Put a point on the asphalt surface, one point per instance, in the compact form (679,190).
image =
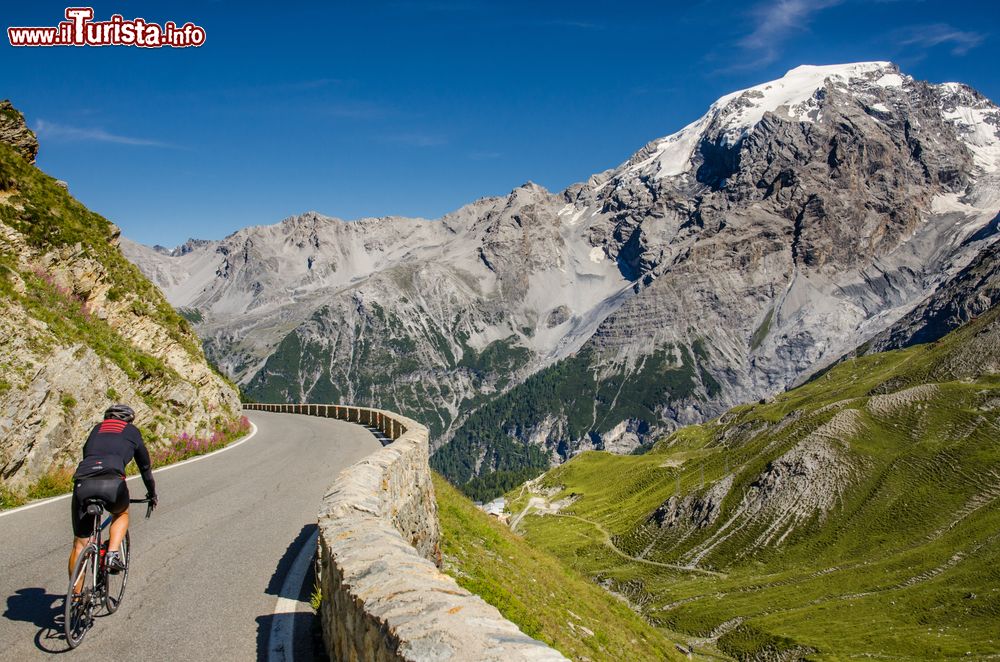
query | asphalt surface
(207,569)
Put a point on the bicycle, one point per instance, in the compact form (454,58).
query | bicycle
(98,586)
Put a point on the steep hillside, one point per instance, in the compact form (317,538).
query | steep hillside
(80,328)
(546,599)
(718,265)
(854,516)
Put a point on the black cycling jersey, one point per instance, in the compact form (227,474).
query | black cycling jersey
(111,445)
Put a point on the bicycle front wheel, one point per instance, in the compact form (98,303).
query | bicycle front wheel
(114,582)
(81,597)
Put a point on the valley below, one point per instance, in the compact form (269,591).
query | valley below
(856,515)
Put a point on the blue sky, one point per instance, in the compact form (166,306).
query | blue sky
(416,108)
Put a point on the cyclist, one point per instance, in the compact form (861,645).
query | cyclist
(112,444)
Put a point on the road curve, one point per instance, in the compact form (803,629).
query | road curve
(207,569)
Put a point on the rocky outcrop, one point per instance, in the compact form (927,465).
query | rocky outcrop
(383,595)
(80,329)
(718,265)
(14,131)
(692,510)
(803,484)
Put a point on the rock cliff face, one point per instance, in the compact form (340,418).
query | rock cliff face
(968,294)
(425,317)
(81,328)
(718,265)
(15,132)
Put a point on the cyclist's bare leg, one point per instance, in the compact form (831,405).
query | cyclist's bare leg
(119,525)
(78,545)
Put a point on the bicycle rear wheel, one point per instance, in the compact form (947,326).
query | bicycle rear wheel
(80,604)
(114,583)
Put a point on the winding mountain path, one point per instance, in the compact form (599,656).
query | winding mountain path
(209,569)
(609,542)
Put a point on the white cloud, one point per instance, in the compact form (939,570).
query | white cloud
(928,36)
(774,22)
(61,132)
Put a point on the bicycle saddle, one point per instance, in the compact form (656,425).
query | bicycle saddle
(94,506)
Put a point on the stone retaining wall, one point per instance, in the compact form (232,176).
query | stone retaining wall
(384,597)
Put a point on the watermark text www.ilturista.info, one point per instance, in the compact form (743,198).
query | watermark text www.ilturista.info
(80,29)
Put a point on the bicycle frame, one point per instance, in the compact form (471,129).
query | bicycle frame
(95,541)
(95,537)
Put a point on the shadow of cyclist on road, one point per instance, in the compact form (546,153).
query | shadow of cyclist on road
(44,610)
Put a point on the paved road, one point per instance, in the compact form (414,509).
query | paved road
(207,568)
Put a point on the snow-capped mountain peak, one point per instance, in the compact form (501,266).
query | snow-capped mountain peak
(799,96)
(739,112)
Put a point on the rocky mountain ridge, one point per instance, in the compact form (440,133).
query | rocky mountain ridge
(721,264)
(81,328)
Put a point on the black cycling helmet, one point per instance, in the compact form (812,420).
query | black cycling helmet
(120,412)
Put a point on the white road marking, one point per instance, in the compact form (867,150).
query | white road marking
(281,641)
(36,504)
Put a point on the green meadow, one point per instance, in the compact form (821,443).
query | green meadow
(855,516)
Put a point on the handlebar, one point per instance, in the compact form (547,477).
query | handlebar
(149,508)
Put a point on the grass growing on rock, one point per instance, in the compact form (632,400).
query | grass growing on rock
(50,484)
(902,563)
(70,322)
(68,293)
(546,599)
(60,480)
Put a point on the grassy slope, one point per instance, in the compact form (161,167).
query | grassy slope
(544,597)
(905,565)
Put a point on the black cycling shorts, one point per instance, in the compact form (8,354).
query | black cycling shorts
(111,490)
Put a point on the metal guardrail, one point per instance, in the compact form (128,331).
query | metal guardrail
(381,420)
